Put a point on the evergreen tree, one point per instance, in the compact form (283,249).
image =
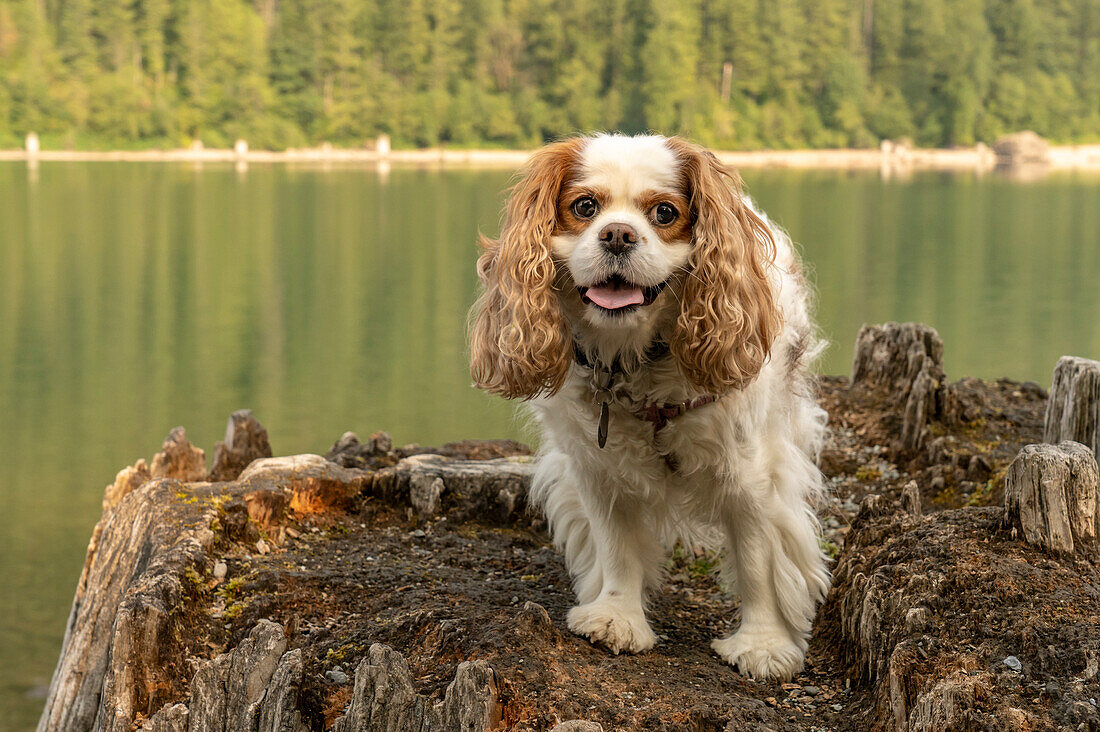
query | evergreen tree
(733,73)
(222,70)
(670,61)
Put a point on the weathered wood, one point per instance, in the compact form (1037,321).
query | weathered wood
(922,404)
(280,711)
(179,459)
(304,484)
(910,499)
(376,452)
(578,725)
(1052,496)
(914,602)
(472,700)
(127,481)
(150,541)
(253,688)
(170,718)
(384,700)
(110,666)
(948,705)
(926,614)
(905,359)
(435,484)
(1073,410)
(892,354)
(379,452)
(245,440)
(227,692)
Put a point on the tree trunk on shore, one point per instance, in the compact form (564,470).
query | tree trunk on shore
(1052,496)
(1073,412)
(905,359)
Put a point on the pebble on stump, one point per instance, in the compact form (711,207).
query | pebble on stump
(1052,498)
(907,360)
(1073,410)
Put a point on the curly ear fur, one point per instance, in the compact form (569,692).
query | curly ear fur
(729,316)
(519,342)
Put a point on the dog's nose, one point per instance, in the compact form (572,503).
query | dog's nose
(618,238)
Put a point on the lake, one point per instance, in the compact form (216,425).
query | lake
(135,297)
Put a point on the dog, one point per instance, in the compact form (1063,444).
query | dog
(658,325)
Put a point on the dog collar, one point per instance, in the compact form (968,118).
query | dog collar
(603,379)
(661,414)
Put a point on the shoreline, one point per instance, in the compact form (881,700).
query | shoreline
(887,158)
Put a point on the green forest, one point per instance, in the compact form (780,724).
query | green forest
(514,73)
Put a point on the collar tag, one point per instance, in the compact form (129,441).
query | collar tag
(601,431)
(603,378)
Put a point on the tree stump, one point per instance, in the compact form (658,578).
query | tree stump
(1052,496)
(910,499)
(905,359)
(1073,410)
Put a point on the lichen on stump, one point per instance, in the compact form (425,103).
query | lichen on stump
(1052,497)
(1073,411)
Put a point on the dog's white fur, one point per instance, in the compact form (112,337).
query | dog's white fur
(745,477)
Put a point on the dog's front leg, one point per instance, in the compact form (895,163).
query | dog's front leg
(781,576)
(628,555)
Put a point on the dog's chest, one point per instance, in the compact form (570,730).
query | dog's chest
(643,417)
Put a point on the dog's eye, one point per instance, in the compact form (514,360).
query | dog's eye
(585,207)
(664,213)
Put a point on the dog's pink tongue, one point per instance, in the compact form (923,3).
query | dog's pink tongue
(614,297)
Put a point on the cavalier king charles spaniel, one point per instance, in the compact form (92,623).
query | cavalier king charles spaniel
(658,326)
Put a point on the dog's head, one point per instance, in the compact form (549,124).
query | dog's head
(612,235)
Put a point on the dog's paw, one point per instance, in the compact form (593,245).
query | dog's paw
(762,653)
(613,626)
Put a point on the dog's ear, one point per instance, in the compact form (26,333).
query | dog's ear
(519,341)
(729,316)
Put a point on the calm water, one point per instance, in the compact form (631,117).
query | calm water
(136,297)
